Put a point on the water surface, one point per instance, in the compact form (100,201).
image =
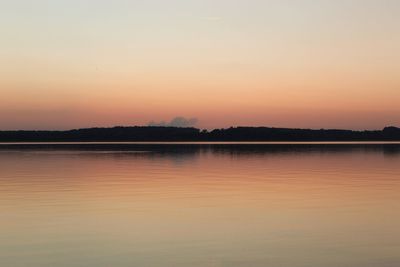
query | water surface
(120,205)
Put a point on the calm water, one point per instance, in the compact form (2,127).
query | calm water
(203,205)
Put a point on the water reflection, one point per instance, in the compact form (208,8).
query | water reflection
(200,205)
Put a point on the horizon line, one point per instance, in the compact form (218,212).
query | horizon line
(193,127)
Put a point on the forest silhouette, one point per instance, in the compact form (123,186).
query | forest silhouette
(168,134)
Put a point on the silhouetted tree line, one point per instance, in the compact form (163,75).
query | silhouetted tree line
(139,133)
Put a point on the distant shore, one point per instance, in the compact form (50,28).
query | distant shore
(175,134)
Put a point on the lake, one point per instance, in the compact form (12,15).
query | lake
(200,205)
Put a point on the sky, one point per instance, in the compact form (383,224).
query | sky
(282,63)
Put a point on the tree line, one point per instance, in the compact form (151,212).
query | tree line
(153,134)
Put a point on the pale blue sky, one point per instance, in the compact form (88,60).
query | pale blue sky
(252,62)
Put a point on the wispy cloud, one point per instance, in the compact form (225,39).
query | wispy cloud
(175,122)
(211,18)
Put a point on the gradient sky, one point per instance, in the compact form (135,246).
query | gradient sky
(305,63)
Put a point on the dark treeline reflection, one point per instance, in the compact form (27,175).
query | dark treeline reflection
(192,149)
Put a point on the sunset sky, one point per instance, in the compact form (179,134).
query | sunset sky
(284,63)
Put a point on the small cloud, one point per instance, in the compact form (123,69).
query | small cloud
(211,18)
(175,122)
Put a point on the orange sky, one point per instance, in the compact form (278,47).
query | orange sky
(320,64)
